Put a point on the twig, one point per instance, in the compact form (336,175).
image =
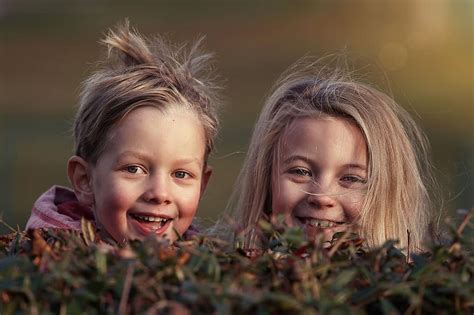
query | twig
(456,246)
(8,226)
(408,249)
(126,290)
(174,308)
(339,242)
(63,309)
(464,222)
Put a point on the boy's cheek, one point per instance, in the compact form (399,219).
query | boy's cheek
(187,211)
(184,223)
(189,206)
(114,194)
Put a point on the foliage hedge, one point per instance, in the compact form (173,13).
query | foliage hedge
(65,272)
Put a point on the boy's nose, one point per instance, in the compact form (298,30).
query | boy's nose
(158,190)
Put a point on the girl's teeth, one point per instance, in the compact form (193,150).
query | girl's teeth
(320,223)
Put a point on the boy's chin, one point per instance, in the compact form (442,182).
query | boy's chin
(122,238)
(169,235)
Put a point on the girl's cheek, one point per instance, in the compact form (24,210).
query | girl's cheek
(354,204)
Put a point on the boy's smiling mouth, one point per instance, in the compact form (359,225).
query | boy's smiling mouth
(147,223)
(147,218)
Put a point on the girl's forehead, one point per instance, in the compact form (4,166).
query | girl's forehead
(322,133)
(321,123)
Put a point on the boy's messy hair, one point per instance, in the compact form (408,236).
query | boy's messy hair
(138,72)
(399,170)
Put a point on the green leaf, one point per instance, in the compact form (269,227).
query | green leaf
(343,279)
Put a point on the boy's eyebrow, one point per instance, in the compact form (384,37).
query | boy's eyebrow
(189,161)
(143,156)
(131,154)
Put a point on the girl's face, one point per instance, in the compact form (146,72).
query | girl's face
(151,175)
(320,175)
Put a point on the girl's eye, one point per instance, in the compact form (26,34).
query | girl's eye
(181,174)
(353,179)
(301,172)
(134,169)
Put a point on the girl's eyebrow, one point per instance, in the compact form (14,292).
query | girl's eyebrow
(356,166)
(307,160)
(293,158)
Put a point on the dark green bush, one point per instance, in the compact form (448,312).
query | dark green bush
(54,271)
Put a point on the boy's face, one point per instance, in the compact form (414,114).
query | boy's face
(319,180)
(151,175)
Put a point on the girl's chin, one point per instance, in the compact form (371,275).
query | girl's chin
(326,234)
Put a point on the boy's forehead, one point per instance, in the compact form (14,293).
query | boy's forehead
(138,114)
(145,125)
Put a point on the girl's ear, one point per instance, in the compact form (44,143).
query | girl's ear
(205,179)
(78,171)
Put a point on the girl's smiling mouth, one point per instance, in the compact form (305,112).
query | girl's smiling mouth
(318,223)
(148,223)
(326,228)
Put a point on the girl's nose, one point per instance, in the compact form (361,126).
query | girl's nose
(321,196)
(158,190)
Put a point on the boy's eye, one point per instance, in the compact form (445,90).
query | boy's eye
(134,169)
(181,174)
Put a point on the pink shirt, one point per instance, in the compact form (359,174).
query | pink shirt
(58,208)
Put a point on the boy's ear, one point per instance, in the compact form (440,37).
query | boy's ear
(78,171)
(205,179)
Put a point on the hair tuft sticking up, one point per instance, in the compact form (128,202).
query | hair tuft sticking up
(138,72)
(128,46)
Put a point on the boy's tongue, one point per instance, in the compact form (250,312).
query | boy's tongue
(150,224)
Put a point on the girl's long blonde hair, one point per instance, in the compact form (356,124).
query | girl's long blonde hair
(397,203)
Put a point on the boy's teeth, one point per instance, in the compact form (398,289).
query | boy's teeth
(150,218)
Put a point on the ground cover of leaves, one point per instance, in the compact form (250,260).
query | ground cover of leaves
(64,272)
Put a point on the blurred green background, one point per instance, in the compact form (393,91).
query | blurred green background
(420,51)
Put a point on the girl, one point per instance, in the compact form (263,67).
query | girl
(143,132)
(328,152)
